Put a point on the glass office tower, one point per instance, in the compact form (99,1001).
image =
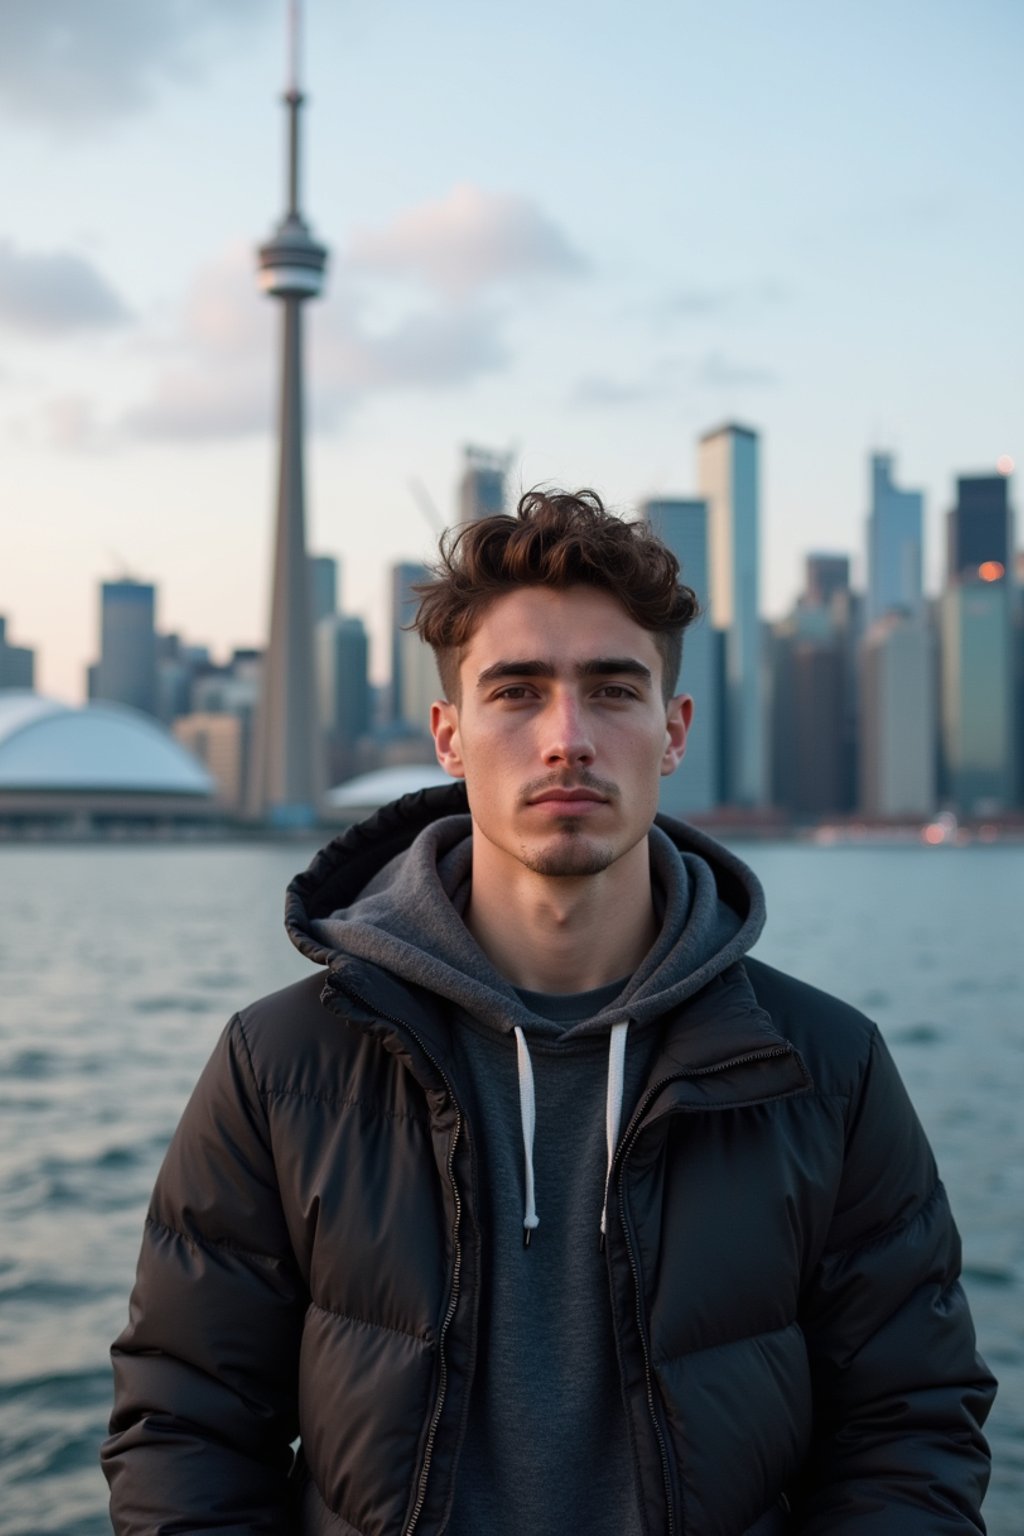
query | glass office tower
(728,480)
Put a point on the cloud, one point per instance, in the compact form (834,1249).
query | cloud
(701,301)
(55,293)
(215,378)
(441,347)
(204,404)
(68,63)
(720,372)
(215,373)
(221,381)
(69,422)
(467,241)
(669,376)
(600,390)
(698,300)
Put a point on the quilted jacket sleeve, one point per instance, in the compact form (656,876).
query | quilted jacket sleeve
(900,1391)
(205,1398)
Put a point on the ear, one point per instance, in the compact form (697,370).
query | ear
(678,715)
(444,727)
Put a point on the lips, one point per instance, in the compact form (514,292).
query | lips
(569,802)
(568,796)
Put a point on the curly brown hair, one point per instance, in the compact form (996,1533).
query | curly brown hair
(556,539)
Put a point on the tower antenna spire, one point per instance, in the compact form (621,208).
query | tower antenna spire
(294,35)
(293,100)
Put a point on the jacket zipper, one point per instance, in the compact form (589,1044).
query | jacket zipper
(627,1141)
(453,1297)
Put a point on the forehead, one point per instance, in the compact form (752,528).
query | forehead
(556,625)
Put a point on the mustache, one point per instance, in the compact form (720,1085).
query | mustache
(581,779)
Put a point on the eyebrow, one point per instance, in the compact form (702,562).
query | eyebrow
(596,666)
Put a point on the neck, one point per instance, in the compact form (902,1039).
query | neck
(561,934)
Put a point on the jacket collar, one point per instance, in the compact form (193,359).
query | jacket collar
(716,1050)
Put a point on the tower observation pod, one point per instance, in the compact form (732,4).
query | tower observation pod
(286,779)
(291,262)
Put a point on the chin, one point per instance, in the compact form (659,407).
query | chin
(577,857)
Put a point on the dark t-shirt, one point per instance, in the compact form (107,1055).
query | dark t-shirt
(547,1447)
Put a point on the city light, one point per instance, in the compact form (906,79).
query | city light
(1005,464)
(991,570)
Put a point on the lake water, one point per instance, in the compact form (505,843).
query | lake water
(119,966)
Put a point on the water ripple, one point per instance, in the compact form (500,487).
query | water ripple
(59,1389)
(917,1034)
(173,1004)
(97,1067)
(33,1064)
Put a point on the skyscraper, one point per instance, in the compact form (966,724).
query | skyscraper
(727,465)
(978,687)
(323,575)
(343,651)
(825,576)
(345,679)
(175,670)
(126,672)
(694,787)
(482,486)
(894,544)
(414,681)
(979,671)
(979,529)
(17,662)
(808,722)
(812,688)
(287,777)
(898,726)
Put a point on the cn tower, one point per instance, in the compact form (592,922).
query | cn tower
(287,764)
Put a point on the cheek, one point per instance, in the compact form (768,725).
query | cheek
(498,747)
(488,766)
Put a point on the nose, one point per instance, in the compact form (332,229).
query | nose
(567,735)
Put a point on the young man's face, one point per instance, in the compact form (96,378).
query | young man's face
(562,731)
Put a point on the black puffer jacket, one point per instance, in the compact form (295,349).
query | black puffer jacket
(796,1352)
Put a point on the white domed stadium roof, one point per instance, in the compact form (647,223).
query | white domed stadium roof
(46,745)
(367,793)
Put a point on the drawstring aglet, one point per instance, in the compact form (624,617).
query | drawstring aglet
(613,1109)
(528,1114)
(600,1242)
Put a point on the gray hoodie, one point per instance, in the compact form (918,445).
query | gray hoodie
(547,1445)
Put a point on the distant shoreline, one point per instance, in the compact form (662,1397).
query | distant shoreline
(945,831)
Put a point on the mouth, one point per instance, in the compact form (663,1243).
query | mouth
(569,802)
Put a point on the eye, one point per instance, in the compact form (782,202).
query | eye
(514,692)
(617,691)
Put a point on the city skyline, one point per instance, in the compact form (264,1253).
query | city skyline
(897,717)
(516,266)
(380,631)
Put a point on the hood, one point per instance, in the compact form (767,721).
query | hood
(391,891)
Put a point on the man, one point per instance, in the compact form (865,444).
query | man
(545,1210)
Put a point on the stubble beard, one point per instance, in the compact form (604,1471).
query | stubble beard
(573,854)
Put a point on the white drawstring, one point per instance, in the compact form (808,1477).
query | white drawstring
(613,1105)
(528,1115)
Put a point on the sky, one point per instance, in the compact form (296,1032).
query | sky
(582,233)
